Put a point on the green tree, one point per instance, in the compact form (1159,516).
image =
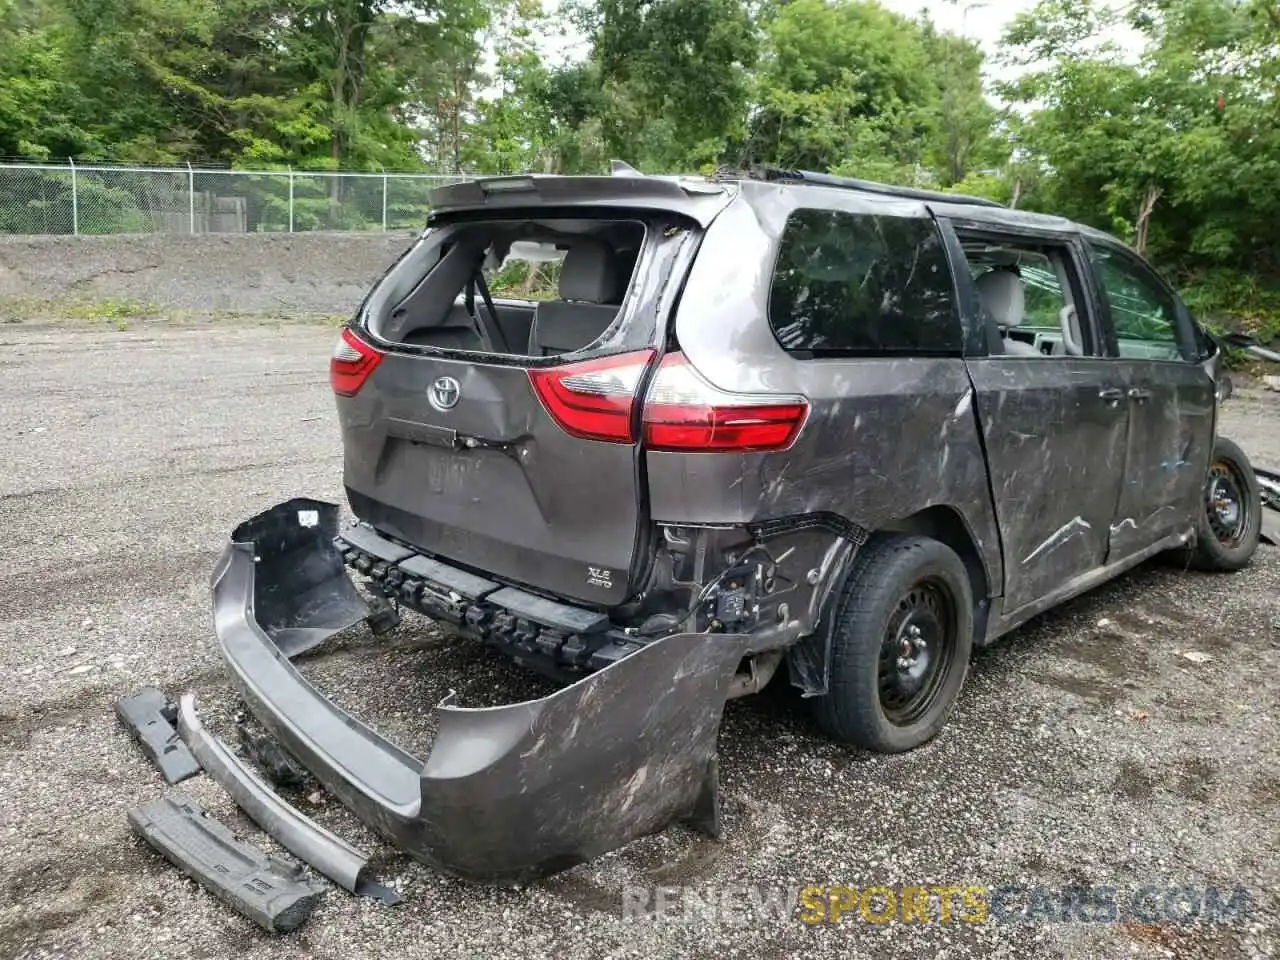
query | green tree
(674,76)
(1178,150)
(854,88)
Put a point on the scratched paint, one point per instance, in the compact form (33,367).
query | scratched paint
(1059,537)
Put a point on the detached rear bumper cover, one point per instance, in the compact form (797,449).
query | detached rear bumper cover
(508,793)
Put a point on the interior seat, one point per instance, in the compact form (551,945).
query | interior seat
(1002,294)
(457,332)
(590,290)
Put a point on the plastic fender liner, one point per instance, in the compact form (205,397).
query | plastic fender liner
(304,594)
(508,793)
(326,852)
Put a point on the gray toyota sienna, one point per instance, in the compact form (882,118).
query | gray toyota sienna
(774,425)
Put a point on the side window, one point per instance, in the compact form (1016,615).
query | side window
(1026,292)
(863,285)
(1142,314)
(1045,299)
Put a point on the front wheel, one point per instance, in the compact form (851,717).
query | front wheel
(900,644)
(1229,523)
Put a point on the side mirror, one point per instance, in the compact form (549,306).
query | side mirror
(1241,341)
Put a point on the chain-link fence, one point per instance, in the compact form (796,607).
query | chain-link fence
(76,199)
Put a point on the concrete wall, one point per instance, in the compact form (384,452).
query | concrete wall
(269,274)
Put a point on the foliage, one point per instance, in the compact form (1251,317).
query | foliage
(1173,144)
(1177,151)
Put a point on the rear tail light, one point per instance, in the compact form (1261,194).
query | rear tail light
(595,399)
(684,413)
(352,362)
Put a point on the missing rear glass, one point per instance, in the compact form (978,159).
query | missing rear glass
(517,287)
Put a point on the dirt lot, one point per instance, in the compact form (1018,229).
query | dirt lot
(1086,749)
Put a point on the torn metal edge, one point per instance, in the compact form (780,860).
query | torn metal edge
(324,851)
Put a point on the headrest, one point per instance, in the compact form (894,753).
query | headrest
(1002,293)
(589,273)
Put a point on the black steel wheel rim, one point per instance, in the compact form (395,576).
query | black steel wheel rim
(916,654)
(1225,503)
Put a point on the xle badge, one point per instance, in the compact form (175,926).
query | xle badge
(598,577)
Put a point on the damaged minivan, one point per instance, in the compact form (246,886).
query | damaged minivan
(773,425)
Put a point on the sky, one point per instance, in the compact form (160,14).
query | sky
(986,21)
(978,20)
(981,20)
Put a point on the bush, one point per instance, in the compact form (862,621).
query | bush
(1230,301)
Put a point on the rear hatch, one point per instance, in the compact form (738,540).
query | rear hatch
(488,390)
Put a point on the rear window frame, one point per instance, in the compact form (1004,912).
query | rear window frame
(669,238)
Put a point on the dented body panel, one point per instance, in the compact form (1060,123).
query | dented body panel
(1170,443)
(1056,454)
(886,438)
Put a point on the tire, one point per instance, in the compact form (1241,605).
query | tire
(1229,519)
(897,582)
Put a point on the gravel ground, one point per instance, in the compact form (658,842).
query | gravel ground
(1086,750)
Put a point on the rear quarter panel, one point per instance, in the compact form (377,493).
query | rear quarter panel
(885,438)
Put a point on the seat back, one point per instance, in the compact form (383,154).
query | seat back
(589,293)
(1003,296)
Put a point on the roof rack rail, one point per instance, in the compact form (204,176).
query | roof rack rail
(779,175)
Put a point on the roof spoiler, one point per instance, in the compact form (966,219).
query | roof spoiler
(625,187)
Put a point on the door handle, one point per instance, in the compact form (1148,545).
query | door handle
(1139,394)
(1111,395)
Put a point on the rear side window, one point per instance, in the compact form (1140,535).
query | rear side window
(850,284)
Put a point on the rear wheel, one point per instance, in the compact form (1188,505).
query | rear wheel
(900,644)
(1230,516)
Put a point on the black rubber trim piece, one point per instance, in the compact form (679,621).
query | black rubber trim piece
(273,894)
(451,578)
(149,717)
(553,614)
(365,538)
(328,853)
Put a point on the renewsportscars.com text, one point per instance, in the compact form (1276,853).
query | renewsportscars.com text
(831,905)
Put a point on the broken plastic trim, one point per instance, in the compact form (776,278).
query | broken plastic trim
(1269,486)
(270,892)
(305,596)
(508,793)
(149,717)
(328,853)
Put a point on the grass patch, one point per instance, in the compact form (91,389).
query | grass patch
(122,313)
(116,311)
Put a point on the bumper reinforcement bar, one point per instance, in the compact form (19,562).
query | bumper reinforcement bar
(326,852)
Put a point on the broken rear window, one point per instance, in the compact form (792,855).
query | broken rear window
(863,285)
(518,287)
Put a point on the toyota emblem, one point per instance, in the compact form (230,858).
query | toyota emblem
(444,393)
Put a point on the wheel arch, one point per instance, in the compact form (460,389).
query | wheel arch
(947,525)
(809,660)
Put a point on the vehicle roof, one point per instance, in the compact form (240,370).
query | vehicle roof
(702,197)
